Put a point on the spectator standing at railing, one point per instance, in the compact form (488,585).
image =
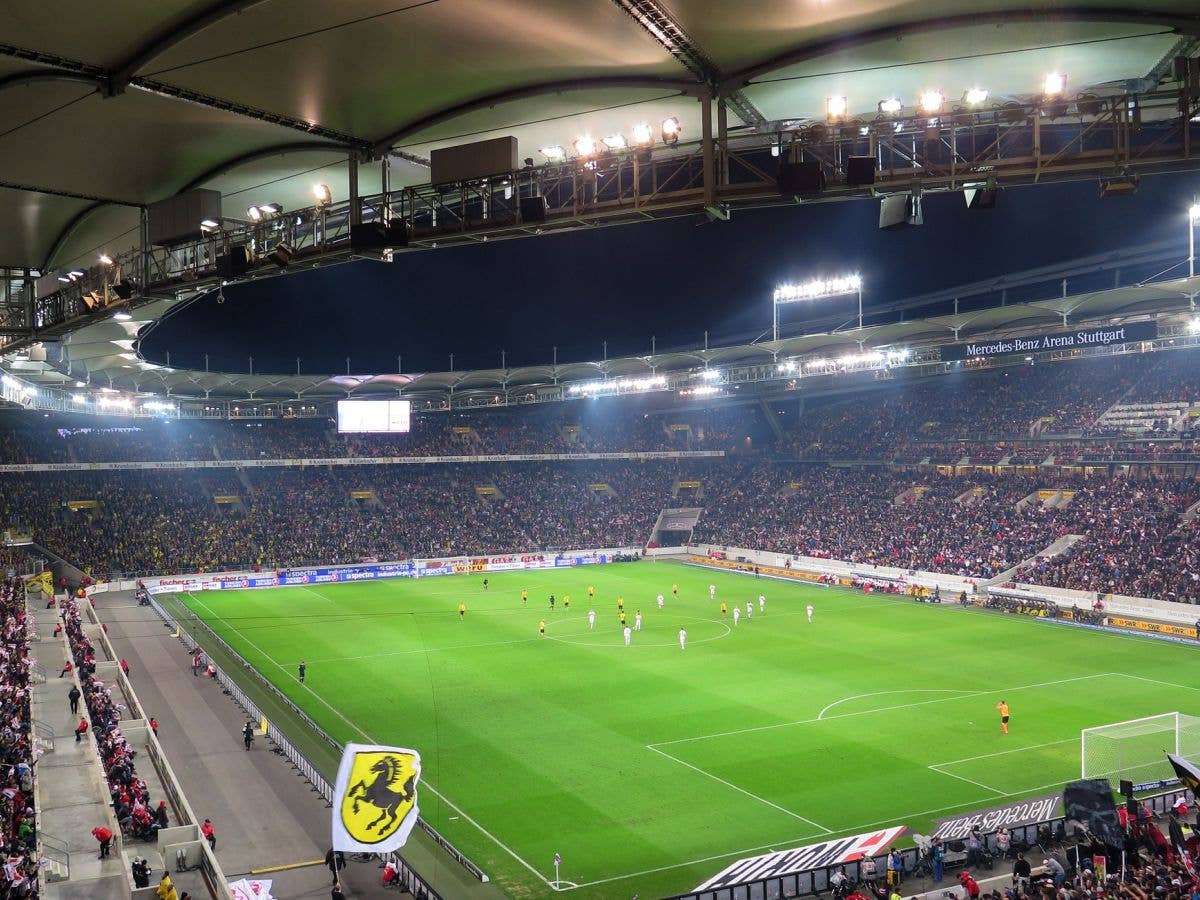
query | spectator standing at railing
(210,834)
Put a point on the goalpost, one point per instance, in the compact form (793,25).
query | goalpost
(1137,748)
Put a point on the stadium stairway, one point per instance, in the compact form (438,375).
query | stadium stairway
(71,789)
(1059,546)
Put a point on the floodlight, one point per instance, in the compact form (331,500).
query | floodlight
(554,154)
(642,134)
(1194,326)
(931,101)
(615,142)
(106,260)
(122,316)
(254,214)
(1053,84)
(891,105)
(207,225)
(1194,213)
(670,131)
(74,274)
(270,209)
(585,146)
(835,107)
(323,195)
(976,95)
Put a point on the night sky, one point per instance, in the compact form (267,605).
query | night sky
(673,280)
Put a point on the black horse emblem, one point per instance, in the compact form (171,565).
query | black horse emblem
(381,794)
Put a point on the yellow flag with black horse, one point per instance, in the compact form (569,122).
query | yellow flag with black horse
(375,799)
(44,582)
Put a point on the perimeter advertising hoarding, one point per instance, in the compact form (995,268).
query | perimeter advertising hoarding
(1011,815)
(1106,336)
(834,852)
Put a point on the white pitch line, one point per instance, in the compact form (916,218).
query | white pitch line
(986,787)
(1006,752)
(1186,687)
(425,650)
(867,712)
(499,843)
(741,790)
(821,714)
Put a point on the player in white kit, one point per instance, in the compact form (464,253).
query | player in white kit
(749,609)
(682,639)
(762,603)
(660,601)
(628,635)
(737,614)
(712,592)
(809,610)
(591,619)
(637,621)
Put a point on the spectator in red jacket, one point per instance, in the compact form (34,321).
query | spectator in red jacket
(81,729)
(969,884)
(210,833)
(104,837)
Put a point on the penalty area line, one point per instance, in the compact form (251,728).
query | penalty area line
(499,843)
(733,786)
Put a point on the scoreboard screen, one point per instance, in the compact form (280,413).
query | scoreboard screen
(371,416)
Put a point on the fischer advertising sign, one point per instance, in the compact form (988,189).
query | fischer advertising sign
(1011,815)
(804,859)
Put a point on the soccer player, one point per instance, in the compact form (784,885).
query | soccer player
(628,635)
(485,584)
(591,592)
(621,616)
(462,611)
(809,609)
(524,597)
(566,601)
(620,604)
(749,609)
(762,603)
(591,619)
(637,621)
(674,590)
(724,609)
(660,601)
(737,614)
(542,628)
(551,601)
(712,592)
(302,669)
(682,639)
(1002,708)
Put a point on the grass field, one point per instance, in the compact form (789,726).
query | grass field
(650,768)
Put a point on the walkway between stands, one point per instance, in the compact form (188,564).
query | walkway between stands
(265,815)
(73,796)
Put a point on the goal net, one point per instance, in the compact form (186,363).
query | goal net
(1137,749)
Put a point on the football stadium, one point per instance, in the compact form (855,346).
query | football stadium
(684,449)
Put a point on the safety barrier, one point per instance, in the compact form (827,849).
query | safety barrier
(816,881)
(409,877)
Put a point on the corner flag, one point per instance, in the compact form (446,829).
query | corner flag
(1188,774)
(375,799)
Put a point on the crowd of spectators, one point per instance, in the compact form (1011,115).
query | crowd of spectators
(1135,541)
(18,828)
(169,521)
(136,812)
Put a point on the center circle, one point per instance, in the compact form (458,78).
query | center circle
(659,629)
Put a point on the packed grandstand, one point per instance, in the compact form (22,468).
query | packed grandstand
(971,473)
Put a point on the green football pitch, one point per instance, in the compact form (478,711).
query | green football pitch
(650,768)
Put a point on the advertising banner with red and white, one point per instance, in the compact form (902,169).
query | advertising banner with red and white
(834,852)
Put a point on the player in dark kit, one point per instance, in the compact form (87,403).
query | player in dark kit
(552,601)
(302,668)
(485,584)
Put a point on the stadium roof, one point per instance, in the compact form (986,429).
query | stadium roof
(102,112)
(104,354)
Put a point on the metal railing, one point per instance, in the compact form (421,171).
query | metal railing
(58,854)
(409,877)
